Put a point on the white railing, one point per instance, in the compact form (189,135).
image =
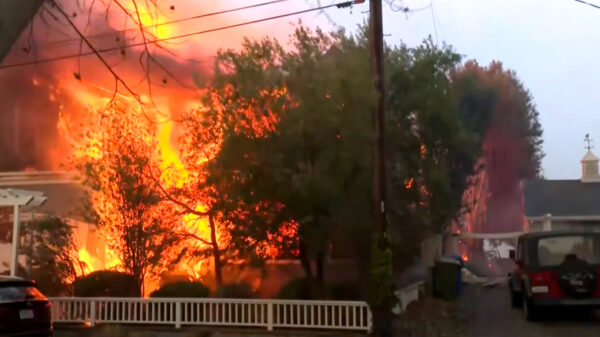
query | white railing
(270,314)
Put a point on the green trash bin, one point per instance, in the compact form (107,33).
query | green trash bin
(446,279)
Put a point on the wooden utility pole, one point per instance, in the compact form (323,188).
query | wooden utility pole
(377,62)
(381,309)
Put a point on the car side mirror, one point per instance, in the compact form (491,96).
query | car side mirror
(512,254)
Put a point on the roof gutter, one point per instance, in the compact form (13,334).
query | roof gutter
(565,218)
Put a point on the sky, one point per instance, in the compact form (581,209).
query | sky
(553,45)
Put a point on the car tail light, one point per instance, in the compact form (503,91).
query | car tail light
(541,278)
(597,292)
(545,284)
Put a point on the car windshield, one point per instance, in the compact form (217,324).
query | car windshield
(19,292)
(553,251)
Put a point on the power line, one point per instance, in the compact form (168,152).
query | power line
(399,8)
(437,42)
(589,4)
(173,21)
(155,41)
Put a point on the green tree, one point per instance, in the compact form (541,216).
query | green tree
(304,156)
(495,102)
(431,149)
(294,130)
(51,255)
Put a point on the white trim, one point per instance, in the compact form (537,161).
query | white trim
(492,236)
(566,218)
(37,178)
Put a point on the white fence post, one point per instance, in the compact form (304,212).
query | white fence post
(177,315)
(270,316)
(369,321)
(92,313)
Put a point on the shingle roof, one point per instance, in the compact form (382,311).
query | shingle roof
(561,198)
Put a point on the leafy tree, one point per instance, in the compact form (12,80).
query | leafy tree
(432,151)
(495,102)
(51,254)
(292,125)
(304,156)
(118,159)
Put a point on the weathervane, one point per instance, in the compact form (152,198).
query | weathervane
(588,141)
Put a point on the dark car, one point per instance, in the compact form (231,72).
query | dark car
(24,311)
(556,269)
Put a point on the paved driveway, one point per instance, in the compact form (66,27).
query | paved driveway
(490,315)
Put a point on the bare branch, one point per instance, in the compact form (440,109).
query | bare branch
(149,59)
(87,42)
(89,21)
(174,200)
(194,236)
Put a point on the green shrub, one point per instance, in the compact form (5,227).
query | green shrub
(182,289)
(106,283)
(296,289)
(344,291)
(235,290)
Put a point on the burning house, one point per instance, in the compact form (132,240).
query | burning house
(45,105)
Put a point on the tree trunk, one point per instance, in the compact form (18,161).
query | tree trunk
(320,276)
(216,252)
(304,259)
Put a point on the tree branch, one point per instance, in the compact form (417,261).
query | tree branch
(174,200)
(87,42)
(194,236)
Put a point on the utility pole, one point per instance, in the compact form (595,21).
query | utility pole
(381,311)
(377,62)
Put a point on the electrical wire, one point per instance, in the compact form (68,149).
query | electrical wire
(105,50)
(195,17)
(437,42)
(589,4)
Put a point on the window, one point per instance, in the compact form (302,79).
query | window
(552,251)
(19,292)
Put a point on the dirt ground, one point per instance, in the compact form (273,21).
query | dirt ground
(431,318)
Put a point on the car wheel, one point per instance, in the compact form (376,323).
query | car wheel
(532,313)
(515,299)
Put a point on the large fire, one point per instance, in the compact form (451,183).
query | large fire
(80,88)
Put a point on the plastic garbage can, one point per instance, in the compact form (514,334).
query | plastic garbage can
(446,279)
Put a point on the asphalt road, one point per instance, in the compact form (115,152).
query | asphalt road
(489,314)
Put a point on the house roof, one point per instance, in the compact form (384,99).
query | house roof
(589,156)
(566,198)
(65,200)
(65,195)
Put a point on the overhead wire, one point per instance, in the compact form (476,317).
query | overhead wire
(155,41)
(437,42)
(195,17)
(589,4)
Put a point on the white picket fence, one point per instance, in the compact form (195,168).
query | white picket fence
(270,314)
